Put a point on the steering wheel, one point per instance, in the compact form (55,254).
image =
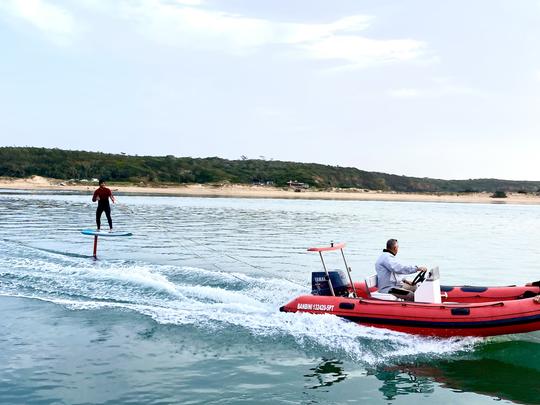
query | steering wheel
(421,276)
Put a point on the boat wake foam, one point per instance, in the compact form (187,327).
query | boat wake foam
(206,299)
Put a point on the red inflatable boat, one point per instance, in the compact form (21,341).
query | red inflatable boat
(436,310)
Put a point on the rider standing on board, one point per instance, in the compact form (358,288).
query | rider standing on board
(102,195)
(387,268)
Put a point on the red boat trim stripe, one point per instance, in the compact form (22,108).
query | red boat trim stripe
(445,325)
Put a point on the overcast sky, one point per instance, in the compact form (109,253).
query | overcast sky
(423,88)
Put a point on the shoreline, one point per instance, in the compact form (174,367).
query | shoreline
(41,184)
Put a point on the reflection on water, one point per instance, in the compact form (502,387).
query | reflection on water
(488,377)
(507,370)
(402,382)
(502,370)
(327,373)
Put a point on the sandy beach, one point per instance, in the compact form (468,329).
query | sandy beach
(40,184)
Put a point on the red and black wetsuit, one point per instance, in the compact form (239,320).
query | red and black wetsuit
(104,194)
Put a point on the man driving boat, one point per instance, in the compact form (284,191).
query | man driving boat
(387,268)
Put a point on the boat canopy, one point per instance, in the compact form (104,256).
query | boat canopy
(333,246)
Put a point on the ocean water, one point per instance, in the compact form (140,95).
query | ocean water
(186,310)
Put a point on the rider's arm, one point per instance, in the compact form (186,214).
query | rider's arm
(399,268)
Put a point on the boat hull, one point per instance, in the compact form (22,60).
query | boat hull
(442,320)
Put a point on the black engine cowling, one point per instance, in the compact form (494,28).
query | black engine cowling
(320,286)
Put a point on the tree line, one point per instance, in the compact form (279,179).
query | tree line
(67,164)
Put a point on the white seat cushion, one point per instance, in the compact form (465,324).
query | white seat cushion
(384,296)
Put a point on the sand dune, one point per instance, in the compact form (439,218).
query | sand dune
(38,183)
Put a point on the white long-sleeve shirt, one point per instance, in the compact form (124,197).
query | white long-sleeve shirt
(387,267)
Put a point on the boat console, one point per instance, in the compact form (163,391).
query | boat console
(429,290)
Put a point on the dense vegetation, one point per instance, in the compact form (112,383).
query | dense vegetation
(66,164)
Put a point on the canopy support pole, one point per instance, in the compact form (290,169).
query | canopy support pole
(327,275)
(349,273)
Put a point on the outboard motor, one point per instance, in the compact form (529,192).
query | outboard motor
(319,283)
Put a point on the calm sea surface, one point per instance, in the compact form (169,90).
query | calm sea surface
(186,310)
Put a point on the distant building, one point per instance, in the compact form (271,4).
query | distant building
(258,182)
(297,186)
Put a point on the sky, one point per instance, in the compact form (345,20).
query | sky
(425,88)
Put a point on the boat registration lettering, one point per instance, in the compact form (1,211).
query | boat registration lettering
(315,307)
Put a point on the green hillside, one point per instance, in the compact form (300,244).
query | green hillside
(66,164)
